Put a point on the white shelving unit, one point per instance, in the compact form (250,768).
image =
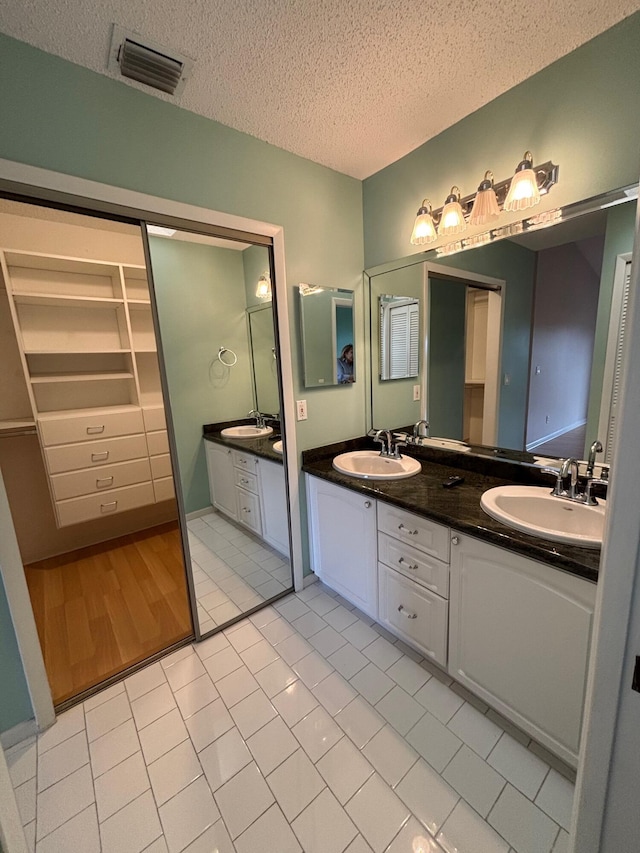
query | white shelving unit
(88,350)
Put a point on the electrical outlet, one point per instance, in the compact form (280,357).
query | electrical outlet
(301,408)
(507,379)
(416,392)
(546,419)
(538,370)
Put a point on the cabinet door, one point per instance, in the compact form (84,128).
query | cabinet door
(273,500)
(222,486)
(342,528)
(519,638)
(249,510)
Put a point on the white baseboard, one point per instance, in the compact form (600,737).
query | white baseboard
(198,513)
(545,438)
(18,733)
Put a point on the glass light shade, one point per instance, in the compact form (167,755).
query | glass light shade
(263,290)
(523,192)
(424,231)
(452,221)
(485,207)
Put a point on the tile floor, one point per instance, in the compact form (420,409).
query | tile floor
(305,727)
(233,570)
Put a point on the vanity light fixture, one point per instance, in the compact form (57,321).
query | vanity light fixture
(263,290)
(485,205)
(524,191)
(452,220)
(424,230)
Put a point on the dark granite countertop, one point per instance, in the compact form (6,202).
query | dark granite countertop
(258,446)
(457,507)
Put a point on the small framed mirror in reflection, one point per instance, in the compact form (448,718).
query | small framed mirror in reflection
(327,331)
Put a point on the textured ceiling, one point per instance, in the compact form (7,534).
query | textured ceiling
(351,84)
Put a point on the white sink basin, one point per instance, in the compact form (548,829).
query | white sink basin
(534,510)
(445,443)
(369,465)
(246,431)
(277,446)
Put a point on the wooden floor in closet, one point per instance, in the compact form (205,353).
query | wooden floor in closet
(104,608)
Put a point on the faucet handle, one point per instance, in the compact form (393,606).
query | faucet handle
(558,489)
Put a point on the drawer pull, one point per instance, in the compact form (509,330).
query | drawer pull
(244,482)
(455,540)
(104,482)
(367,504)
(406,530)
(95,430)
(100,457)
(110,507)
(245,509)
(406,612)
(412,566)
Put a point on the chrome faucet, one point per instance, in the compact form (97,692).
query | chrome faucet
(389,442)
(416,430)
(570,466)
(254,413)
(596,447)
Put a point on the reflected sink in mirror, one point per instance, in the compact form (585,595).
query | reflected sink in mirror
(246,431)
(445,444)
(277,446)
(534,510)
(370,465)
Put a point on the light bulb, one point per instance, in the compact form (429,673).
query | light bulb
(452,219)
(263,290)
(523,192)
(424,230)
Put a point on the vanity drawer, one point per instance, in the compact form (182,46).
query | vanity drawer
(90,454)
(164,489)
(158,442)
(244,461)
(154,418)
(428,536)
(89,427)
(77,510)
(414,564)
(414,614)
(161,466)
(92,480)
(246,480)
(249,510)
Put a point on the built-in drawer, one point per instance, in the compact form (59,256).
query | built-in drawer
(154,418)
(77,510)
(158,442)
(249,510)
(89,426)
(246,480)
(99,479)
(428,536)
(161,466)
(414,614)
(91,454)
(164,489)
(415,564)
(244,461)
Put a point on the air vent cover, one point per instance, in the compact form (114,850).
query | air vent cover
(141,59)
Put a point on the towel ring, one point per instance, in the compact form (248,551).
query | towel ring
(222,351)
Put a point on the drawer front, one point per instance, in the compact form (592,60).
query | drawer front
(414,564)
(154,418)
(249,510)
(93,480)
(89,427)
(78,510)
(161,466)
(158,442)
(246,480)
(164,489)
(244,461)
(428,536)
(92,454)
(416,615)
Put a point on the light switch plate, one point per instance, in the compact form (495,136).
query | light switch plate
(416,392)
(301,409)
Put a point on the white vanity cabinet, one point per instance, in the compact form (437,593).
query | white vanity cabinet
(222,478)
(519,638)
(342,533)
(273,503)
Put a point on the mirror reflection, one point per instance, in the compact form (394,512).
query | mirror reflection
(520,337)
(399,336)
(219,353)
(326,316)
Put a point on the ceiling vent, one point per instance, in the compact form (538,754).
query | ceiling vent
(148,62)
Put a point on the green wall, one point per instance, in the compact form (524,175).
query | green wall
(15,704)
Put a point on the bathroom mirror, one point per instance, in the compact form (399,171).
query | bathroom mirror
(399,336)
(524,330)
(326,317)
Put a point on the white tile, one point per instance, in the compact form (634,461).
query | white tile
(236,686)
(174,771)
(121,785)
(327,641)
(271,745)
(22,761)
(276,630)
(195,695)
(213,840)
(162,735)
(413,838)
(153,705)
(400,710)
(66,725)
(312,669)
(475,729)
(359,720)
(390,754)
(334,693)
(324,826)
(251,713)
(211,646)
(372,683)
(434,741)
(243,799)
(187,815)
(259,655)
(79,833)
(340,618)
(439,700)
(294,703)
(556,798)
(209,723)
(344,769)
(114,747)
(144,681)
(244,637)
(382,653)
(322,604)
(359,845)
(275,677)
(317,733)
(408,674)
(562,842)
(430,798)
(263,617)
(377,812)
(518,765)
(348,660)
(360,634)
(309,624)
(295,783)
(26,800)
(293,648)
(270,832)
(108,716)
(63,800)
(62,760)
(224,758)
(474,779)
(523,824)
(184,671)
(223,662)
(103,696)
(157,846)
(465,832)
(292,608)
(224,613)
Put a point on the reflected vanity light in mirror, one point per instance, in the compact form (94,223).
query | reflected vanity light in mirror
(327,331)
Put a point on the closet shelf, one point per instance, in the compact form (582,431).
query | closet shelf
(75,351)
(63,301)
(47,378)
(139,303)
